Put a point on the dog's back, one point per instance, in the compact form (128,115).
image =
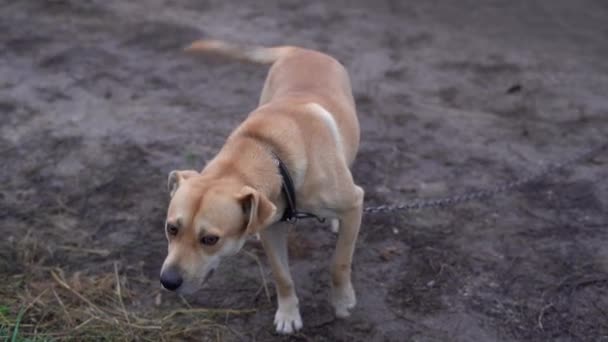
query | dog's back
(300,77)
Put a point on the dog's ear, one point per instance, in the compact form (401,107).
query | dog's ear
(258,210)
(176,177)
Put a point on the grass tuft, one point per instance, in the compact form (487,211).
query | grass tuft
(45,303)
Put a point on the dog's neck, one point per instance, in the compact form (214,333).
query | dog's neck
(256,167)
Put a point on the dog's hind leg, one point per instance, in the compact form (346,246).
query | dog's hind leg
(342,293)
(274,239)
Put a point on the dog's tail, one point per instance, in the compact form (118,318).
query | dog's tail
(255,54)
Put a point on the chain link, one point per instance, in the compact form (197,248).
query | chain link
(487,193)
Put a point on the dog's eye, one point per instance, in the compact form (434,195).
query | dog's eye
(172,230)
(209,240)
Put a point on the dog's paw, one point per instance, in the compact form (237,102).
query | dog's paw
(287,319)
(335,226)
(343,299)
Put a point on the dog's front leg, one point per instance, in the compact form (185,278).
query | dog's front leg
(274,240)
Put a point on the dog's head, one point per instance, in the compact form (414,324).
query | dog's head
(208,219)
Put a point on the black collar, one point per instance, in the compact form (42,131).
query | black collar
(291,214)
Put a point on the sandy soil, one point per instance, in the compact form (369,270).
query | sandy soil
(97,105)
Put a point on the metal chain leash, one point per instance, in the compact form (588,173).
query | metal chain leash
(487,193)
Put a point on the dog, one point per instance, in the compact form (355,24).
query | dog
(297,145)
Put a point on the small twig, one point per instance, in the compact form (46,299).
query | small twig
(114,322)
(540,217)
(185,301)
(119,293)
(65,311)
(64,206)
(541,314)
(264,283)
(100,252)
(74,292)
(35,300)
(257,292)
(575,285)
(587,282)
(84,323)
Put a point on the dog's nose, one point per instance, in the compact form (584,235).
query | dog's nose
(171,279)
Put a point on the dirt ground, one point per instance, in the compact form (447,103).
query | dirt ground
(98,104)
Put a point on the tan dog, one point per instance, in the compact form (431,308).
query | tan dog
(306,122)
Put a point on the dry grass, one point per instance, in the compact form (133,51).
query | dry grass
(48,303)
